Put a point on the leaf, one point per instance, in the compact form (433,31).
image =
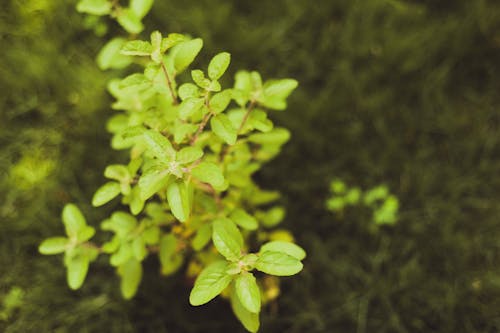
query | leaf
(94,7)
(137,48)
(77,268)
(277,263)
(188,90)
(170,259)
(272,217)
(73,220)
(186,53)
(243,219)
(188,155)
(170,41)
(136,203)
(53,245)
(182,131)
(203,236)
(159,146)
(189,106)
(223,128)
(117,172)
(242,87)
(156,54)
(86,233)
(130,21)
(249,319)
(220,101)
(199,78)
(284,247)
(121,223)
(137,81)
(106,193)
(277,136)
(210,283)
(248,291)
(178,200)
(110,56)
(139,249)
(209,172)
(152,181)
(275,92)
(218,65)
(227,238)
(141,7)
(131,275)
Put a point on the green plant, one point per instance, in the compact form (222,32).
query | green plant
(384,205)
(188,185)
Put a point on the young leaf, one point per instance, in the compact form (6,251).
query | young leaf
(218,65)
(188,155)
(203,236)
(284,247)
(227,238)
(94,7)
(189,106)
(170,259)
(156,54)
(86,233)
(137,48)
(277,136)
(178,200)
(249,319)
(170,41)
(186,53)
(209,172)
(210,283)
(248,291)
(159,145)
(117,172)
(220,101)
(77,268)
(188,90)
(73,220)
(131,275)
(243,219)
(110,57)
(141,7)
(106,193)
(130,21)
(277,263)
(152,181)
(53,245)
(223,128)
(275,92)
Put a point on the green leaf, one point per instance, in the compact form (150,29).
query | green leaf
(218,65)
(77,268)
(223,128)
(242,87)
(277,136)
(131,275)
(130,21)
(53,245)
(182,130)
(117,172)
(86,233)
(220,101)
(137,48)
(203,236)
(159,146)
(110,57)
(141,7)
(199,78)
(227,238)
(190,106)
(106,193)
(209,172)
(277,263)
(135,201)
(137,81)
(94,7)
(156,54)
(121,223)
(170,41)
(123,254)
(188,90)
(243,219)
(249,319)
(152,181)
(275,92)
(188,155)
(186,53)
(73,220)
(272,217)
(170,259)
(178,200)
(248,291)
(210,283)
(284,247)
(139,248)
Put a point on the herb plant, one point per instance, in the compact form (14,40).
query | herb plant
(188,188)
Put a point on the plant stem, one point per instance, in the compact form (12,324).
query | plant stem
(169,84)
(204,122)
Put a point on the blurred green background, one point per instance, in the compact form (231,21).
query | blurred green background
(398,92)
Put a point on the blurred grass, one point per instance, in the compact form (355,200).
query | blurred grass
(405,93)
